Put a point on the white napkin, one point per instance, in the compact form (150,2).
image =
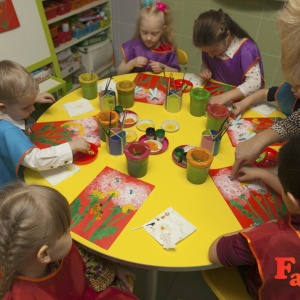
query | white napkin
(78,107)
(112,85)
(57,175)
(169,228)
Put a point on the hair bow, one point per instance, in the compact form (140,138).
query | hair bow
(161,6)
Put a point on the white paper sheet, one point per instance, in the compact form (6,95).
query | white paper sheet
(57,175)
(78,107)
(264,108)
(169,228)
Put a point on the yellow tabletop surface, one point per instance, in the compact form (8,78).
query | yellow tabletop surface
(202,205)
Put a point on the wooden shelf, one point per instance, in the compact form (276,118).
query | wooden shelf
(76,41)
(77,11)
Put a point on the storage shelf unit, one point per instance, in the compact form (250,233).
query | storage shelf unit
(74,41)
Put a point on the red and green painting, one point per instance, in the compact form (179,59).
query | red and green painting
(103,209)
(49,134)
(252,203)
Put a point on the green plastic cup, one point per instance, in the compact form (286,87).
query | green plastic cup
(198,101)
(88,83)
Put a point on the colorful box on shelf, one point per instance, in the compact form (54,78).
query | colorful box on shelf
(97,38)
(93,26)
(70,69)
(79,33)
(50,11)
(64,36)
(105,22)
(56,42)
(75,4)
(53,30)
(63,7)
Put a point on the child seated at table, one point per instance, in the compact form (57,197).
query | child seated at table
(18,93)
(286,97)
(267,255)
(38,258)
(229,55)
(153,47)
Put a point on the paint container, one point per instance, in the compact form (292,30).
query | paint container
(106,121)
(88,83)
(216,115)
(173,101)
(208,143)
(198,164)
(198,101)
(160,135)
(125,90)
(107,100)
(137,156)
(116,141)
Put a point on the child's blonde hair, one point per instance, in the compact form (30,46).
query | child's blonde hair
(30,216)
(289,32)
(168,35)
(16,82)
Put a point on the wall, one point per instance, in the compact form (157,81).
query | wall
(258,17)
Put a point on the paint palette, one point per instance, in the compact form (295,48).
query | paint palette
(186,85)
(131,136)
(144,124)
(180,162)
(170,126)
(80,158)
(130,118)
(165,144)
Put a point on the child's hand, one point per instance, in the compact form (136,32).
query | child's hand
(155,66)
(205,74)
(140,61)
(122,274)
(46,98)
(238,109)
(249,173)
(219,99)
(79,144)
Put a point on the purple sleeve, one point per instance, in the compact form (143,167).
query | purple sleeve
(234,250)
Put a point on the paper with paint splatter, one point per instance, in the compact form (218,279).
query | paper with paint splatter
(46,134)
(242,129)
(252,203)
(102,210)
(169,228)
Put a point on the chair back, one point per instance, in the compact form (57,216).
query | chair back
(182,57)
(226,283)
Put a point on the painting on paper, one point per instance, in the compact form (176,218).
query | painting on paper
(243,129)
(53,133)
(8,16)
(216,88)
(106,205)
(150,88)
(252,203)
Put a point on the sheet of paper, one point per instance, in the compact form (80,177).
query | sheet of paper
(111,86)
(169,228)
(194,79)
(264,108)
(57,175)
(78,107)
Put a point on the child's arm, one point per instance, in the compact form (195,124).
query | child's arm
(46,98)
(158,67)
(55,156)
(249,173)
(226,97)
(240,107)
(127,67)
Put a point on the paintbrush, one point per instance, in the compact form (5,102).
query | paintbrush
(123,120)
(107,85)
(183,78)
(102,127)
